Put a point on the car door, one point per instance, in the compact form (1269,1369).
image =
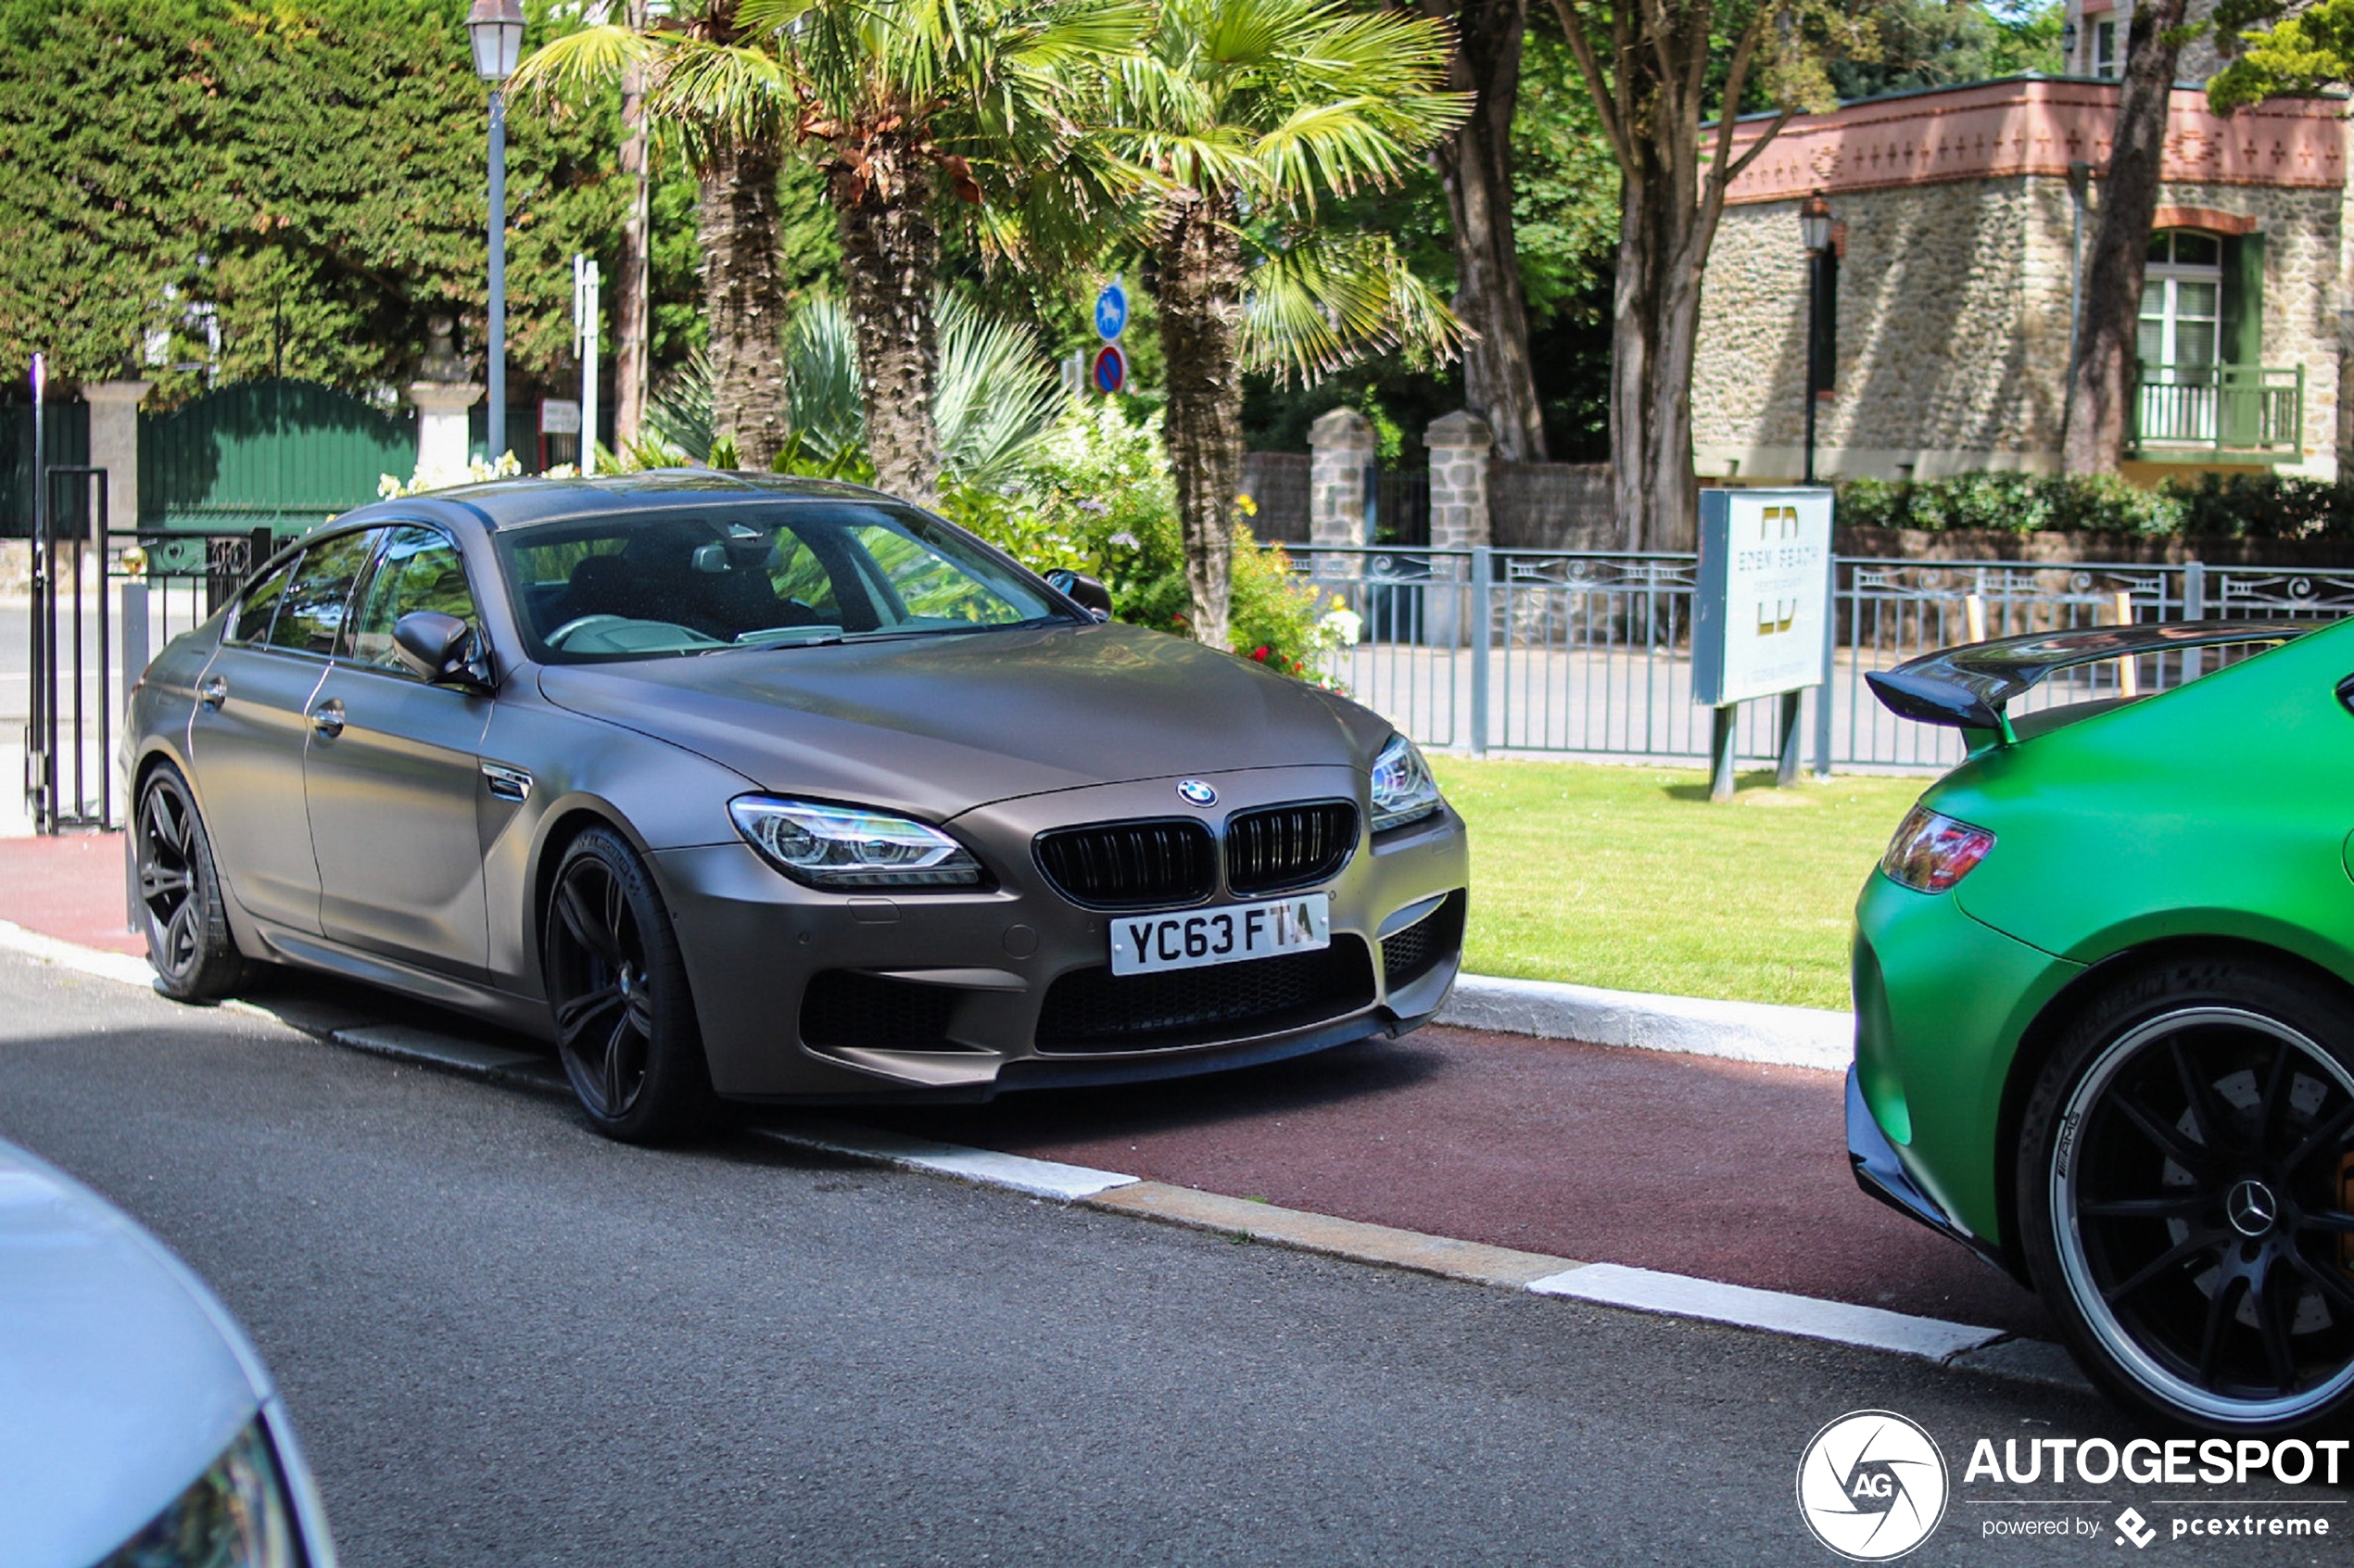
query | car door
(252,723)
(393,775)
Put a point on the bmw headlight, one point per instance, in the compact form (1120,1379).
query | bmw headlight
(829,846)
(237,1515)
(1403,790)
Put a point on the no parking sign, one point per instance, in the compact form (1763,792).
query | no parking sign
(1110,373)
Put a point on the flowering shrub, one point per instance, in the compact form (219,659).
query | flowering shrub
(1099,499)
(476,471)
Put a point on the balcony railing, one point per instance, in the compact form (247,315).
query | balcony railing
(2188,413)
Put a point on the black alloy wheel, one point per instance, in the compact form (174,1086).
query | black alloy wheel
(618,989)
(2188,1196)
(181,911)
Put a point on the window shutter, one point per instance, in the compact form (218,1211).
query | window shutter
(2242,300)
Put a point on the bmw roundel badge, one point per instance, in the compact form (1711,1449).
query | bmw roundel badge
(1196,793)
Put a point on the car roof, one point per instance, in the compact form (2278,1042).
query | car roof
(513,503)
(124,1377)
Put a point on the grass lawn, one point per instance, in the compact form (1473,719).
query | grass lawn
(1628,878)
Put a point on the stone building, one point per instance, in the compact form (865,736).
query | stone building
(1957,224)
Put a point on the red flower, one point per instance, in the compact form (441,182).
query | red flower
(1260,654)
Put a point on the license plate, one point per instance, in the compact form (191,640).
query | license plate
(1148,944)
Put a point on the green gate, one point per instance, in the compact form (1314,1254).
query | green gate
(283,455)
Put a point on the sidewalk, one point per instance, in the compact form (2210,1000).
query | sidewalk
(1727,1170)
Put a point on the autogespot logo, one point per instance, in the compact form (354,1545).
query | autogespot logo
(1871,1485)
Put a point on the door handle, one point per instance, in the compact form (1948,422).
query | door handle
(213,691)
(327,719)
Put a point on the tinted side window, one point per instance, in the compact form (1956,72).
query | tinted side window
(312,610)
(419,570)
(261,604)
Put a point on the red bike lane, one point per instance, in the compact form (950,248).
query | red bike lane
(1727,1171)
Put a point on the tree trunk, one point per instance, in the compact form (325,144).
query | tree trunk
(633,279)
(1476,164)
(1651,94)
(890,256)
(744,302)
(2107,357)
(1201,312)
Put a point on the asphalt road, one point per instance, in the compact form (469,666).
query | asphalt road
(508,1342)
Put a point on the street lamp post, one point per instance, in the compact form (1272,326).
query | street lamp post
(1815,230)
(495,29)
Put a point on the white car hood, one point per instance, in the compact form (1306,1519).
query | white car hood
(121,1379)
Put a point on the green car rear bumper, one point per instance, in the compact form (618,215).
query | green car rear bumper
(1933,1053)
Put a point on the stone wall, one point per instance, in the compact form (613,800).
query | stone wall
(1953,327)
(1277,484)
(1552,505)
(1952,340)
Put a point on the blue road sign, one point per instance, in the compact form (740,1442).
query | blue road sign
(1110,373)
(1112,312)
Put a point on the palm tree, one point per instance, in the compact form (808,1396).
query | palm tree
(737,219)
(1246,111)
(910,106)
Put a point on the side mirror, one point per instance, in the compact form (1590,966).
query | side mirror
(442,649)
(1086,592)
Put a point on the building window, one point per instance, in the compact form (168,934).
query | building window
(2106,63)
(2182,302)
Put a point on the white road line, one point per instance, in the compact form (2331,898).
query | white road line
(1649,1290)
(1039,1178)
(73,955)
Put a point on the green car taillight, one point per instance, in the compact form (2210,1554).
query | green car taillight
(1931,852)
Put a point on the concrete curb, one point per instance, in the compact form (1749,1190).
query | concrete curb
(1742,1031)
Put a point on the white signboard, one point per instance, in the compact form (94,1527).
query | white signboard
(559,416)
(1760,613)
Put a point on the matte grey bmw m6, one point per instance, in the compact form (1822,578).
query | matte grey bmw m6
(775,789)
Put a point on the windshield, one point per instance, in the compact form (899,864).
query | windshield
(633,585)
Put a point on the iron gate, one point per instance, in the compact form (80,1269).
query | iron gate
(84,658)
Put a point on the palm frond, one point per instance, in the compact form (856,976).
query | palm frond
(994,397)
(678,411)
(725,89)
(1330,299)
(568,68)
(994,394)
(822,384)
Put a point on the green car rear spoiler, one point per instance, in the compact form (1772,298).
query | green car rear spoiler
(1968,687)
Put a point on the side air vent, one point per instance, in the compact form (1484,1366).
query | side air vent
(1407,955)
(1130,865)
(1280,847)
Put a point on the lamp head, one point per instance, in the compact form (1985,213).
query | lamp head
(495,28)
(1815,224)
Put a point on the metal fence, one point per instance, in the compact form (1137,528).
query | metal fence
(103,601)
(1591,653)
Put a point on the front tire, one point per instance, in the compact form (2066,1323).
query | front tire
(617,989)
(2187,1196)
(182,912)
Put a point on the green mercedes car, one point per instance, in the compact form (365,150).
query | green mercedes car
(2105,1007)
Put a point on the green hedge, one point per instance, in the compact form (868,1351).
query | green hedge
(2268,506)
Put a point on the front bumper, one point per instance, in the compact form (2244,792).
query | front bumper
(1941,1003)
(1882,1175)
(971,972)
